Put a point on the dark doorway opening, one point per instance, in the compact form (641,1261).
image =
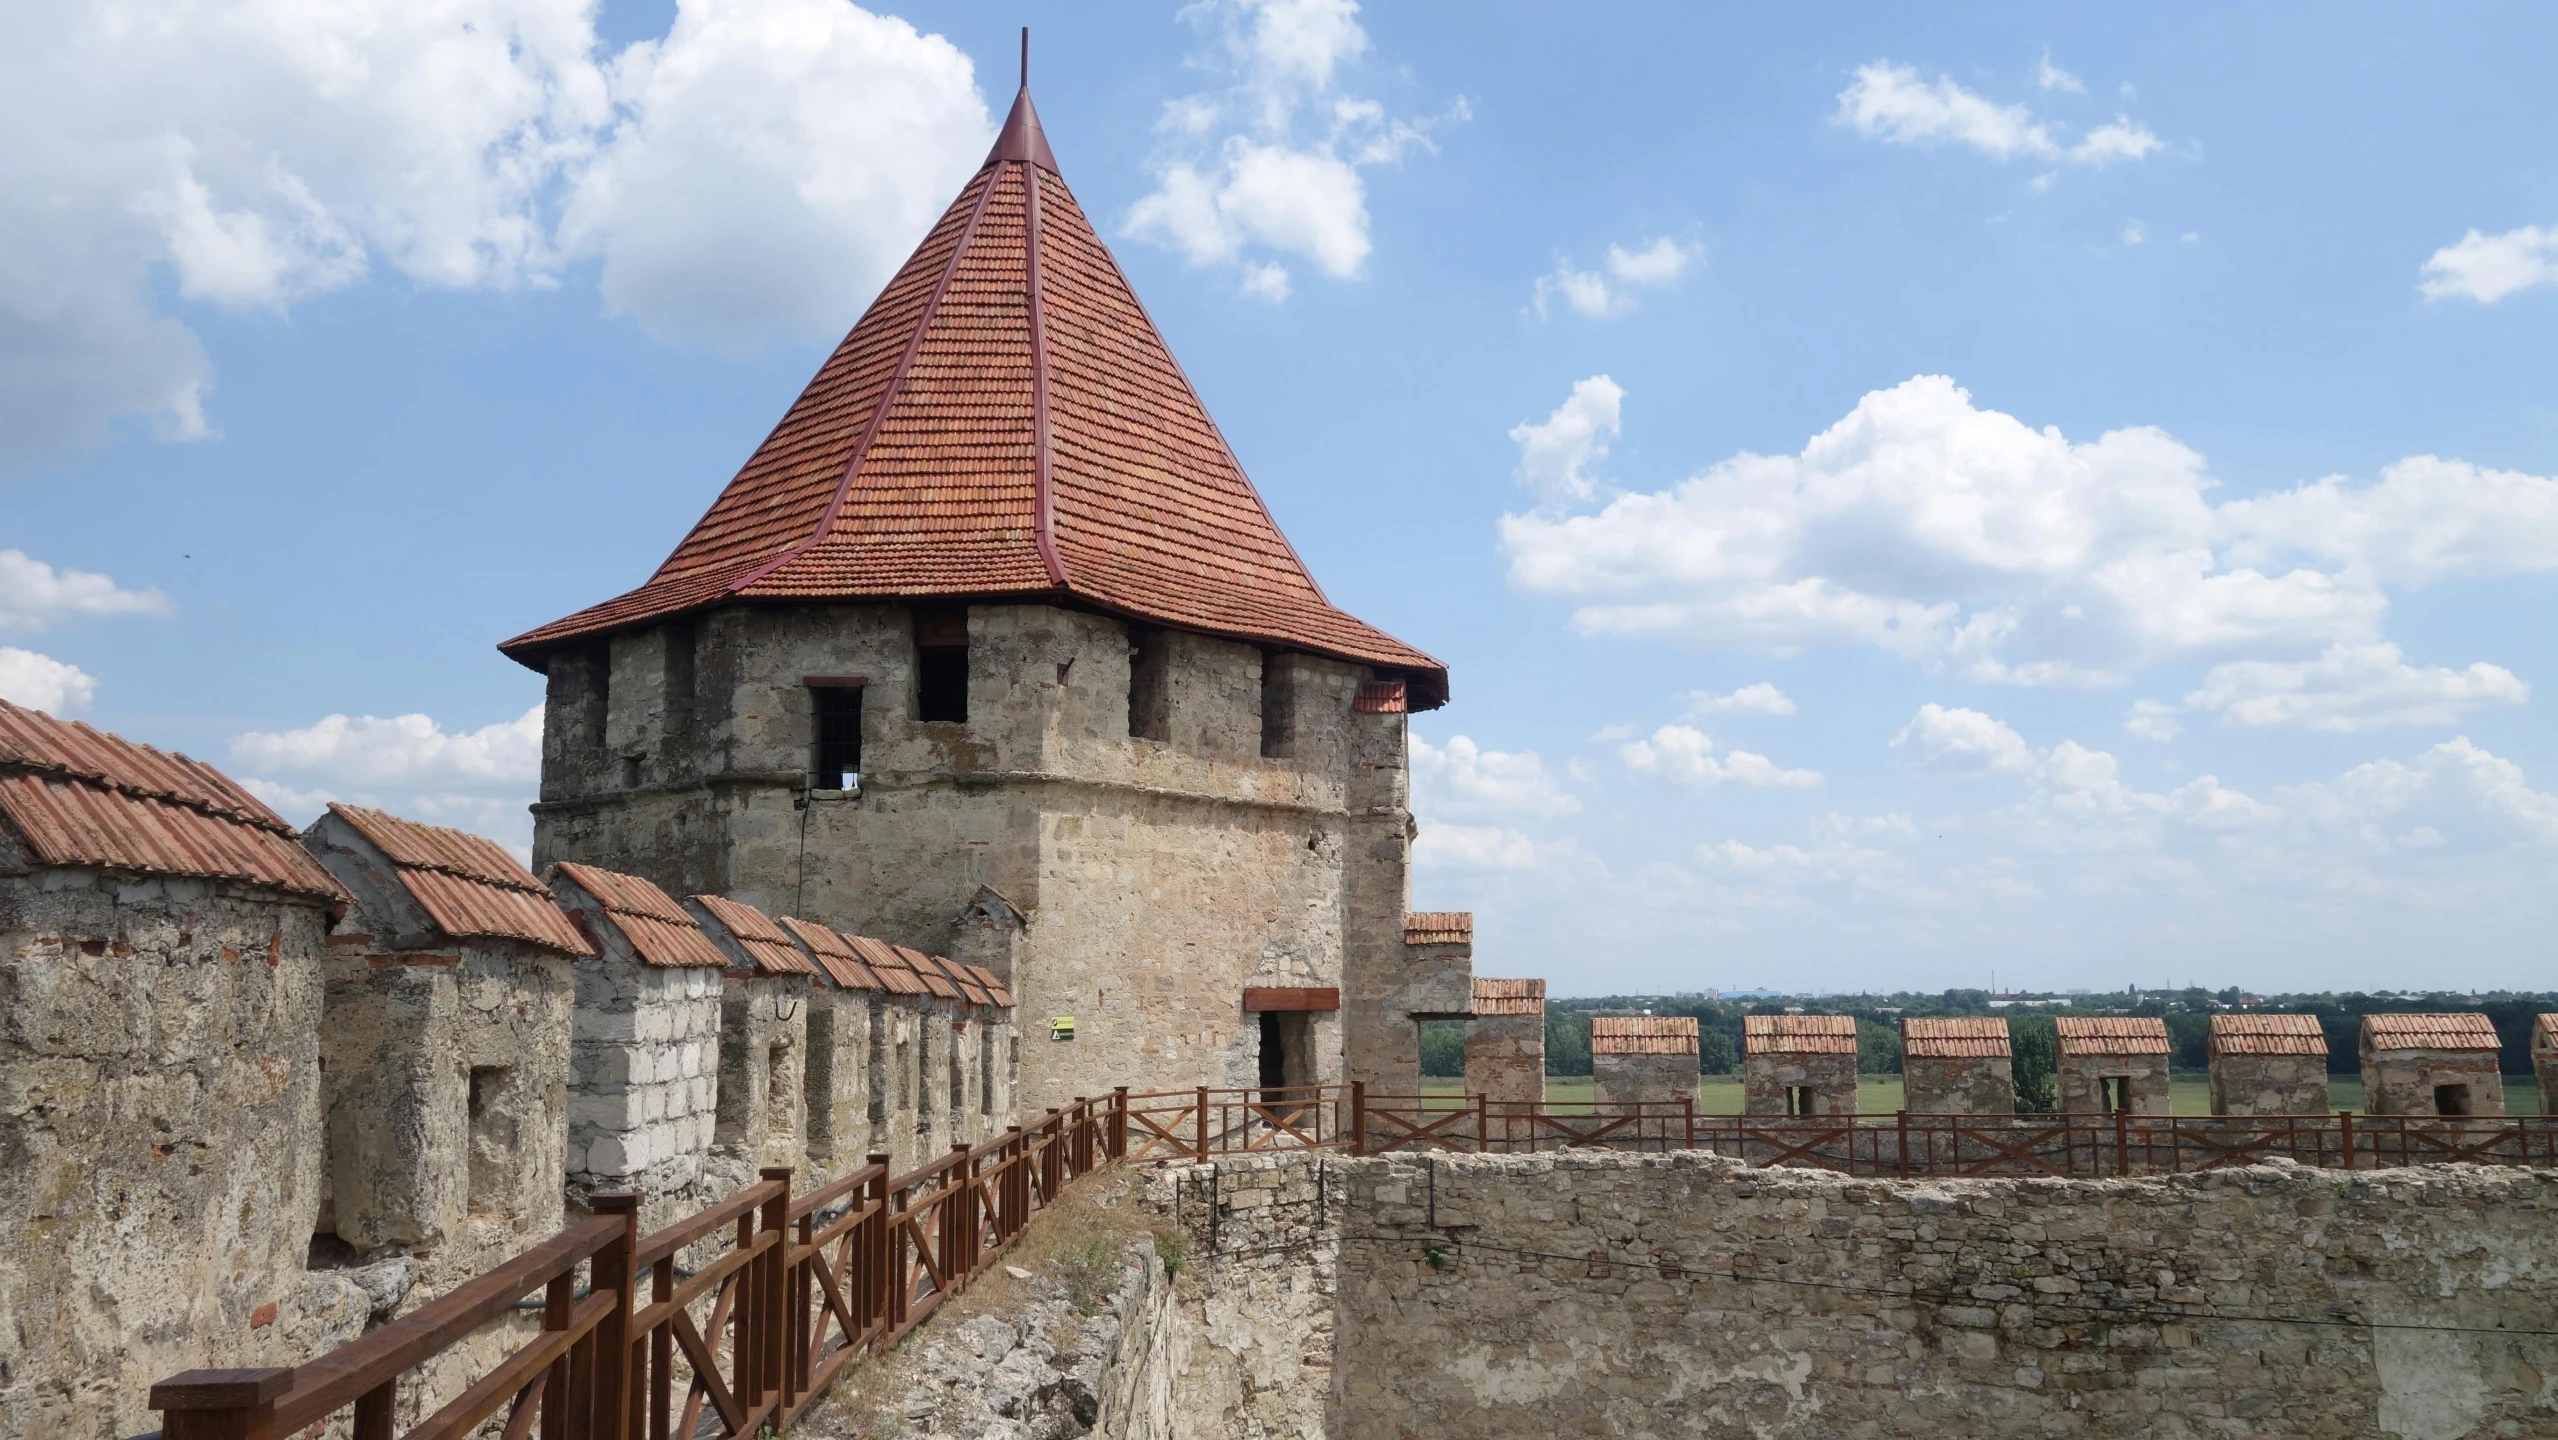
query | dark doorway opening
(1274,1052)
(2117,1094)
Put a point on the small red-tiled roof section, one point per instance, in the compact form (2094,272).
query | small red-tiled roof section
(2544,1033)
(1953,1037)
(655,925)
(1508,997)
(2265,1034)
(766,944)
(934,977)
(1005,423)
(887,962)
(78,796)
(1799,1034)
(833,953)
(2430,1032)
(2111,1034)
(996,990)
(467,884)
(1643,1035)
(1439,927)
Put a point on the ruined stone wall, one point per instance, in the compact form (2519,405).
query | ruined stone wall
(1505,1058)
(2544,1066)
(1958,1085)
(1594,1295)
(2269,1084)
(763,1086)
(1651,1079)
(1160,877)
(1766,1076)
(2402,1082)
(2081,1078)
(838,1082)
(160,1142)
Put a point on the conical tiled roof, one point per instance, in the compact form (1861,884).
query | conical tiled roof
(1004,423)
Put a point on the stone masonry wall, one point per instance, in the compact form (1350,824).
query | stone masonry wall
(2269,1084)
(1765,1078)
(1651,1079)
(644,1070)
(2080,1079)
(839,1082)
(160,1107)
(2402,1082)
(1595,1295)
(1958,1085)
(1505,1058)
(763,1086)
(2544,1066)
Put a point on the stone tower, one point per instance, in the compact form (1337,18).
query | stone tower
(992,650)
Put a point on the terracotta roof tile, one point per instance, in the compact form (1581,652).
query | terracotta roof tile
(888,963)
(2266,1034)
(1438,927)
(1799,1034)
(2430,1032)
(2544,1032)
(467,884)
(1508,997)
(764,943)
(995,987)
(1643,1035)
(78,796)
(2111,1034)
(832,952)
(934,978)
(655,925)
(1004,422)
(1954,1037)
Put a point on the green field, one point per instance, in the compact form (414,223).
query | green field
(1881,1094)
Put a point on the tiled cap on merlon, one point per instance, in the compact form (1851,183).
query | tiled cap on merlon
(1439,927)
(1005,424)
(1508,997)
(748,937)
(1951,1037)
(1798,1034)
(1643,1035)
(631,920)
(2455,1032)
(831,953)
(418,886)
(2258,1033)
(71,796)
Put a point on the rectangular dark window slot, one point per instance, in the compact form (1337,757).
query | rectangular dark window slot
(599,692)
(941,665)
(1149,688)
(1278,709)
(839,735)
(2451,1099)
(493,1139)
(2116,1092)
(1798,1099)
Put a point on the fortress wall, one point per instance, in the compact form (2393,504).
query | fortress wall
(1880,1309)
(1948,1320)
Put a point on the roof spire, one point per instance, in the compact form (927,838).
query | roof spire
(1022,139)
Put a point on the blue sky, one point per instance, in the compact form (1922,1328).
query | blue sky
(1902,495)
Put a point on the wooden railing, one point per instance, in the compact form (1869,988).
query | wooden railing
(805,1283)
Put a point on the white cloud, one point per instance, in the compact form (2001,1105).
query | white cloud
(2153,720)
(1891,103)
(41,682)
(2053,77)
(404,749)
(1272,161)
(2458,787)
(1759,699)
(1608,292)
(2134,232)
(1460,778)
(2351,688)
(769,164)
(480,780)
(1472,847)
(759,169)
(1684,755)
(33,594)
(1965,742)
(1962,539)
(1559,456)
(2487,268)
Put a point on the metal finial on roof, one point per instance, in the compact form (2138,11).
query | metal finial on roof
(1025,57)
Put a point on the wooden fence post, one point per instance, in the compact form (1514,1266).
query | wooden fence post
(1482,1123)
(875,1247)
(1118,1133)
(1203,1124)
(2122,1142)
(610,1269)
(1358,1117)
(219,1404)
(773,1314)
(2345,1129)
